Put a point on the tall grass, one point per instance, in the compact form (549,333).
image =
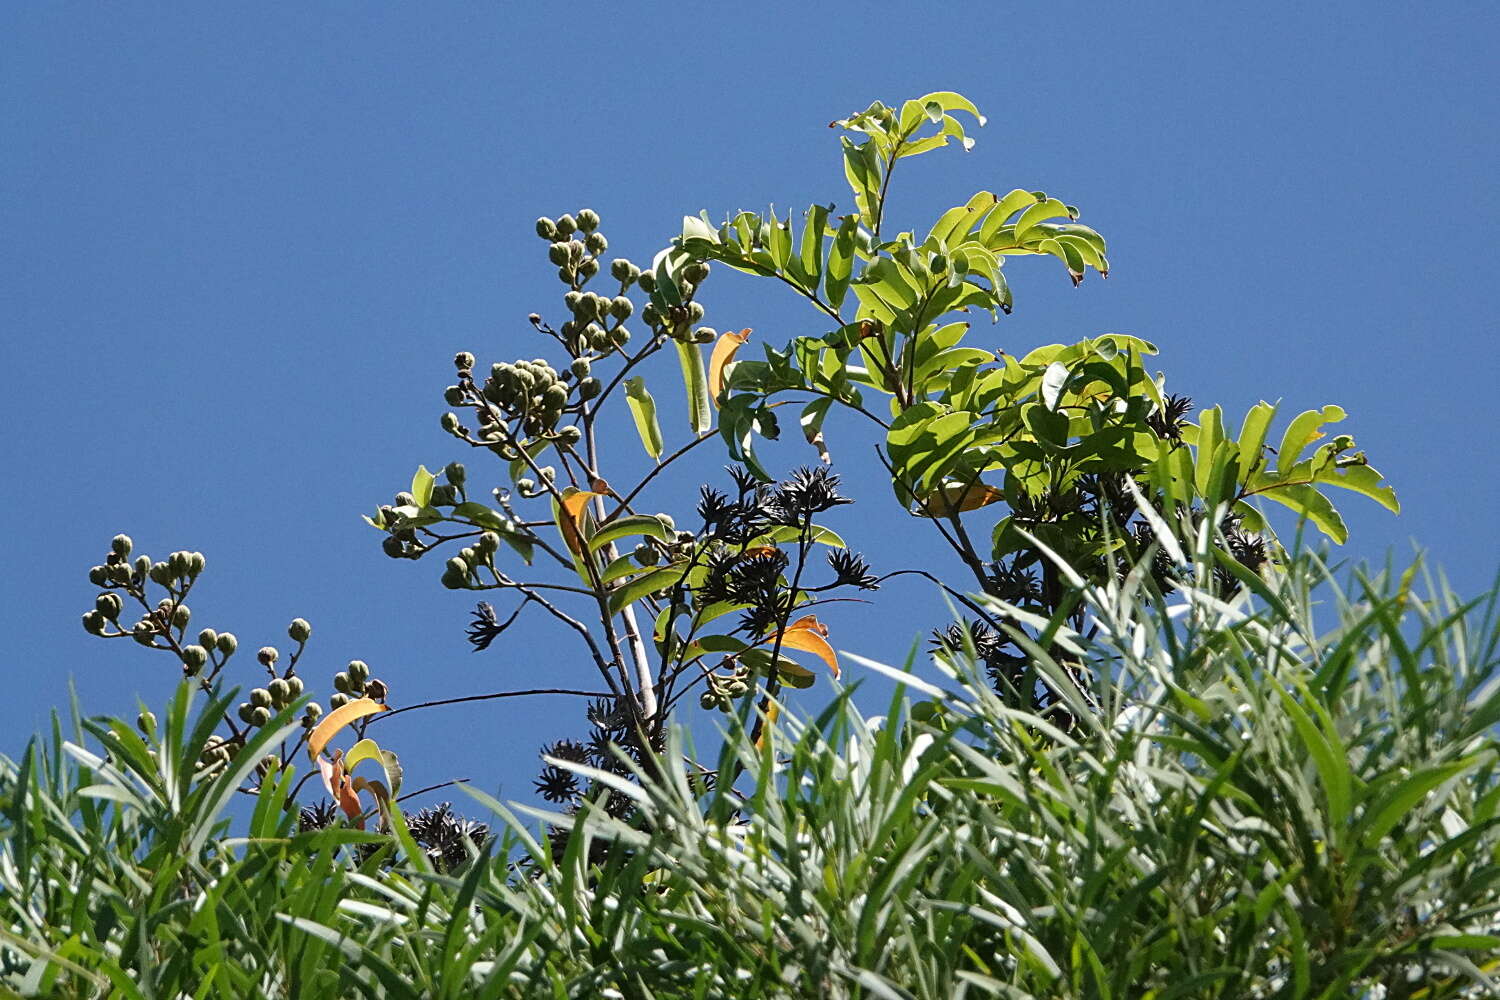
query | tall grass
(1288,793)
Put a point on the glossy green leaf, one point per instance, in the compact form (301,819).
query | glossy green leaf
(695,380)
(633,525)
(658,579)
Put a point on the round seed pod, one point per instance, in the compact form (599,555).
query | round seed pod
(341,682)
(358,670)
(595,243)
(144,632)
(208,638)
(99,575)
(281,692)
(580,367)
(299,630)
(646,555)
(93,623)
(246,711)
(197,562)
(565,274)
(546,228)
(452,580)
(558,254)
(620,269)
(120,545)
(696,272)
(194,657)
(588,220)
(488,543)
(260,716)
(694,311)
(650,315)
(463,361)
(260,697)
(619,336)
(109,605)
(393,547)
(569,435)
(294,686)
(589,388)
(267,656)
(313,711)
(566,225)
(181,615)
(620,307)
(338,700)
(647,281)
(227,643)
(588,268)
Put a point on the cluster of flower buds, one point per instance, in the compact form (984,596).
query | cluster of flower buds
(576,244)
(458,571)
(723,689)
(275,696)
(354,681)
(217,754)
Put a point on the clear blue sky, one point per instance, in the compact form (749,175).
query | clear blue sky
(237,251)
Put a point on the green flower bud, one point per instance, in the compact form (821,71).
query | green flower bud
(270,762)
(393,547)
(108,605)
(120,545)
(588,220)
(358,669)
(574,301)
(294,686)
(694,311)
(650,315)
(667,522)
(453,395)
(299,630)
(452,580)
(696,272)
(260,698)
(227,643)
(404,499)
(646,554)
(621,307)
(569,435)
(706,700)
(463,361)
(93,623)
(197,562)
(181,616)
(555,397)
(588,268)
(566,225)
(143,566)
(558,254)
(281,692)
(580,367)
(193,658)
(619,336)
(705,335)
(177,564)
(589,388)
(457,565)
(548,472)
(246,712)
(450,422)
(565,274)
(267,655)
(99,575)
(546,228)
(146,723)
(647,281)
(119,573)
(487,542)
(341,682)
(444,495)
(144,632)
(469,555)
(260,716)
(312,711)
(622,271)
(208,638)
(595,243)
(338,700)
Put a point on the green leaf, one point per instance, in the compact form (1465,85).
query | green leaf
(421,486)
(624,527)
(1252,438)
(1053,381)
(695,380)
(1330,759)
(643,409)
(840,262)
(1303,431)
(657,579)
(1380,817)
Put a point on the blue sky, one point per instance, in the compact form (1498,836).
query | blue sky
(237,252)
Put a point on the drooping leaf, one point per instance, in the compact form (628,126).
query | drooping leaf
(956,498)
(724,350)
(810,636)
(570,517)
(695,381)
(624,527)
(643,409)
(368,749)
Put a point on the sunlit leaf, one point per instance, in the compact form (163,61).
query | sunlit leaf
(724,350)
(643,409)
(334,721)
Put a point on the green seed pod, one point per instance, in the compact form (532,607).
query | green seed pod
(463,361)
(247,711)
(452,580)
(565,274)
(260,697)
(566,225)
(146,723)
(120,573)
(260,716)
(270,762)
(558,254)
(404,499)
(108,605)
(313,710)
(457,565)
(574,301)
(650,315)
(621,270)
(555,397)
(488,543)
(393,547)
(144,632)
(99,575)
(695,312)
(299,630)
(696,272)
(569,435)
(194,657)
(338,700)
(341,682)
(358,669)
(93,623)
(619,336)
(706,700)
(177,563)
(227,643)
(453,396)
(589,388)
(646,555)
(588,268)
(596,244)
(450,423)
(704,335)
(267,656)
(197,562)
(588,220)
(580,367)
(621,307)
(208,638)
(142,566)
(469,555)
(120,545)
(647,281)
(281,692)
(546,228)
(181,616)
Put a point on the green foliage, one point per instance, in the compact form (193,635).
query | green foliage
(1292,793)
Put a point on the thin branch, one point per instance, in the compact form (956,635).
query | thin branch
(489,697)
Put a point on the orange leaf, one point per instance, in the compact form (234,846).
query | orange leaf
(723,353)
(338,719)
(771,714)
(337,782)
(954,499)
(571,522)
(809,635)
